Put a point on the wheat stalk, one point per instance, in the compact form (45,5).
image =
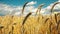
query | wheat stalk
(25,21)
(26,18)
(24,7)
(58,25)
(13,27)
(55,14)
(38,10)
(11,32)
(52,10)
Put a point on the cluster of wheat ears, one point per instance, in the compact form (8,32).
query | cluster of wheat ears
(38,24)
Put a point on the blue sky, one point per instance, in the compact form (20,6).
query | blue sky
(14,7)
(21,2)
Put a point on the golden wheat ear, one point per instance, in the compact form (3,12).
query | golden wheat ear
(24,7)
(46,20)
(39,8)
(52,10)
(26,18)
(54,6)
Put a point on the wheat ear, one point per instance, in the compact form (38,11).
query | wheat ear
(23,29)
(24,7)
(38,10)
(46,20)
(52,10)
(26,18)
(55,14)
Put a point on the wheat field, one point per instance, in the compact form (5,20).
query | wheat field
(13,25)
(39,24)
